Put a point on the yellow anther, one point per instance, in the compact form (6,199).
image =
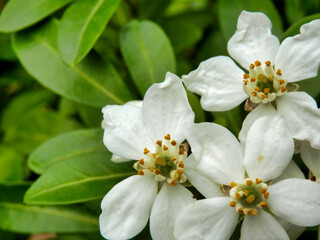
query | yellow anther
(283,89)
(240,210)
(263,96)
(263,190)
(249,182)
(154,155)
(245,76)
(141,161)
(232,203)
(257,89)
(238,196)
(266,90)
(181,151)
(165,147)
(159,142)
(263,204)
(266,194)
(173,142)
(233,184)
(180,171)
(157,171)
(140,172)
(252,79)
(261,78)
(254,213)
(167,137)
(278,72)
(268,63)
(271,78)
(245,192)
(173,159)
(173,183)
(254,94)
(145,151)
(281,81)
(250,198)
(150,168)
(181,165)
(160,161)
(258,180)
(245,82)
(248,212)
(251,66)
(257,63)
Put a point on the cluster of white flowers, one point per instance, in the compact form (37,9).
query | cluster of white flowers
(254,180)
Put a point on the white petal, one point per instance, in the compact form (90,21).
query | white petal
(296,200)
(207,219)
(204,185)
(302,116)
(115,158)
(292,230)
(125,134)
(269,148)
(166,109)
(262,227)
(253,40)
(311,157)
(168,204)
(298,56)
(219,81)
(218,152)
(126,207)
(260,111)
(291,171)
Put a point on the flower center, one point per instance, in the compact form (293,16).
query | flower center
(249,196)
(263,84)
(166,163)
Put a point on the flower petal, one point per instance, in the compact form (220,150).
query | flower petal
(207,219)
(292,230)
(302,116)
(296,200)
(126,207)
(219,81)
(269,148)
(262,227)
(260,111)
(166,109)
(291,171)
(117,159)
(124,132)
(168,204)
(298,56)
(253,40)
(311,157)
(218,152)
(204,185)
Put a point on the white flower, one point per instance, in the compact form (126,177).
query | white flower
(272,69)
(254,188)
(151,134)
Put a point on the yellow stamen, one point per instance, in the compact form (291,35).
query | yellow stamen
(167,137)
(145,151)
(249,182)
(180,171)
(245,192)
(173,159)
(173,143)
(181,165)
(268,63)
(251,66)
(254,94)
(245,82)
(157,171)
(245,76)
(261,77)
(257,89)
(150,168)
(232,204)
(254,213)
(283,89)
(250,198)
(252,79)
(159,142)
(263,190)
(281,81)
(271,78)
(165,147)
(248,212)
(240,210)
(263,96)
(173,183)
(263,204)
(279,72)
(266,90)
(258,180)
(238,196)
(266,194)
(140,172)
(141,161)
(181,151)
(257,63)
(233,184)
(160,161)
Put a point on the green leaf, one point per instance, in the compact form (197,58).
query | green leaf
(196,107)
(15,216)
(94,81)
(19,14)
(11,165)
(311,86)
(78,179)
(80,27)
(147,53)
(91,117)
(152,9)
(229,11)
(295,28)
(6,52)
(294,10)
(66,146)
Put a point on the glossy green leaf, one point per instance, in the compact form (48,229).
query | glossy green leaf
(90,116)
(295,28)
(152,9)
(93,81)
(66,146)
(311,86)
(78,179)
(229,11)
(18,217)
(147,53)
(80,27)
(11,165)
(196,107)
(19,14)
(294,10)
(6,52)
